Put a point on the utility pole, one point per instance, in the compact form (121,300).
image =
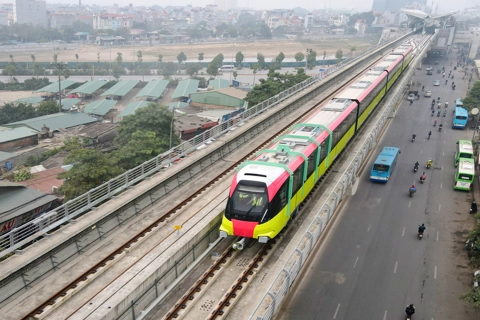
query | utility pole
(60,66)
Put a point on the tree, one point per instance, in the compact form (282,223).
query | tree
(299,56)
(255,68)
(193,68)
(118,71)
(119,59)
(200,57)
(339,55)
(98,56)
(352,50)
(33,61)
(66,73)
(37,69)
(11,112)
(261,60)
(141,147)
(154,118)
(47,107)
(235,74)
(12,68)
(369,17)
(311,59)
(212,68)
(90,169)
(169,69)
(139,56)
(55,57)
(160,59)
(76,57)
(181,57)
(472,100)
(239,58)
(279,59)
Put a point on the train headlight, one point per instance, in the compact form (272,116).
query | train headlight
(223,234)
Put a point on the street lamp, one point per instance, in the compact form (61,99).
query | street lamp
(60,66)
(306,59)
(171,128)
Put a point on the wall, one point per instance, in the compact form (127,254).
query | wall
(216,98)
(28,141)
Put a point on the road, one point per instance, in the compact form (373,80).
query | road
(371,264)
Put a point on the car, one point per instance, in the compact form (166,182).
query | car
(428,94)
(429,69)
(411,97)
(429,72)
(436,83)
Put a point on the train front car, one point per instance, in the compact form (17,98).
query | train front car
(252,208)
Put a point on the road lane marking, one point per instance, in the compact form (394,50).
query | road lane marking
(385,315)
(421,151)
(435,274)
(437,235)
(355,264)
(368,230)
(439,207)
(403,232)
(409,203)
(336,311)
(444,153)
(396,265)
(442,168)
(441,185)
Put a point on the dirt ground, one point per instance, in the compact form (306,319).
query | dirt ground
(8,96)
(270,49)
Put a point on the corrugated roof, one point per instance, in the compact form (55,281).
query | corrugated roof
(233,92)
(121,88)
(69,102)
(132,107)
(44,181)
(32,100)
(153,89)
(6,155)
(219,83)
(11,134)
(185,87)
(17,200)
(99,107)
(89,87)
(54,86)
(54,121)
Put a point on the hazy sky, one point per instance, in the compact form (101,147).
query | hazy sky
(361,5)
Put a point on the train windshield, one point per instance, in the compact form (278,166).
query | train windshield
(248,203)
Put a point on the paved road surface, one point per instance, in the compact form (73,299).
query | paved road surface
(372,264)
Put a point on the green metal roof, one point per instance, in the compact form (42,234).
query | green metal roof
(219,83)
(99,107)
(185,87)
(6,155)
(69,102)
(54,86)
(153,89)
(32,100)
(54,121)
(89,87)
(132,107)
(121,88)
(11,134)
(177,105)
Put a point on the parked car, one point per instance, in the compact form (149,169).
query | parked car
(436,83)
(429,69)
(429,72)
(428,94)
(411,97)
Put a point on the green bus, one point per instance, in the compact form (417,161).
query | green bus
(465,174)
(464,150)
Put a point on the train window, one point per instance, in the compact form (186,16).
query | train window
(311,163)
(297,178)
(280,200)
(323,151)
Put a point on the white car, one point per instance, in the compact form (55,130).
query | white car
(428,94)
(436,83)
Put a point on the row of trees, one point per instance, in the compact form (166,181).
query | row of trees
(12,112)
(140,137)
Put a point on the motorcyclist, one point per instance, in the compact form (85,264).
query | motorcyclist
(421,229)
(473,207)
(423,177)
(423,87)
(433,112)
(446,104)
(429,163)
(412,189)
(440,126)
(446,81)
(438,99)
(438,113)
(414,136)
(429,134)
(410,310)
(435,122)
(444,113)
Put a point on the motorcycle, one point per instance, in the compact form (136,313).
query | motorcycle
(438,114)
(434,124)
(413,139)
(428,165)
(444,113)
(439,129)
(422,179)
(420,236)
(411,191)
(433,113)
(415,168)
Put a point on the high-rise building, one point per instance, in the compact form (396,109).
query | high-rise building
(225,5)
(30,11)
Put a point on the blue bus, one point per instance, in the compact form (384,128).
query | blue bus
(385,164)
(460,117)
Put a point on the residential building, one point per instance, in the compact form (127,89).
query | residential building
(61,19)
(308,23)
(361,26)
(112,21)
(30,11)
(338,20)
(225,5)
(4,18)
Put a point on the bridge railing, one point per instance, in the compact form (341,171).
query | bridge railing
(32,230)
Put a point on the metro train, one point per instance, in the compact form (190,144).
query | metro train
(266,192)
